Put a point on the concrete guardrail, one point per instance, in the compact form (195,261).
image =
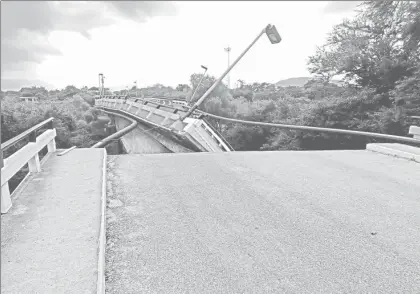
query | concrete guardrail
(29,154)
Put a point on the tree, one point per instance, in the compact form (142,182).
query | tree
(373,50)
(71,88)
(241,84)
(407,91)
(88,117)
(207,82)
(182,87)
(243,93)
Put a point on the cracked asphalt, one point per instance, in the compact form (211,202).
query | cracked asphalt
(263,222)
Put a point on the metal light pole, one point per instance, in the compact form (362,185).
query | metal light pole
(228,49)
(274,38)
(199,83)
(101,85)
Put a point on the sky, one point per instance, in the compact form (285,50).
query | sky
(55,44)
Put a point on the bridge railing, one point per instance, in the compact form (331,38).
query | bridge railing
(168,101)
(216,134)
(28,154)
(155,113)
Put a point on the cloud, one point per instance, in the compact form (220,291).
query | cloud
(25,25)
(141,11)
(341,6)
(17,84)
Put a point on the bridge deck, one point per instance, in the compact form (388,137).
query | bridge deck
(50,236)
(263,222)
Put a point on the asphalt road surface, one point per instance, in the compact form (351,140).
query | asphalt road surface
(263,222)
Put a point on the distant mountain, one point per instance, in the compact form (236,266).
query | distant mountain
(300,82)
(297,82)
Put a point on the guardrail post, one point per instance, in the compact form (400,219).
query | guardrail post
(32,137)
(51,146)
(6,201)
(50,125)
(34,164)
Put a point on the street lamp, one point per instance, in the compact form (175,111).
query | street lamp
(274,38)
(199,83)
(272,34)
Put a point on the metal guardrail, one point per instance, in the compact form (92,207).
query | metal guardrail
(319,129)
(166,102)
(118,134)
(218,134)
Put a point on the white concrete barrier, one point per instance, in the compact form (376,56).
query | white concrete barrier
(27,154)
(415,131)
(204,137)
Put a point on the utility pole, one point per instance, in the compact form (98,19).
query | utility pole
(228,49)
(101,85)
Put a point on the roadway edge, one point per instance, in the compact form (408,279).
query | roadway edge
(102,242)
(373,147)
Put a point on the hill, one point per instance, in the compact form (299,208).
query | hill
(300,82)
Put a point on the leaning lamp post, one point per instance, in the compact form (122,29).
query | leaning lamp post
(273,36)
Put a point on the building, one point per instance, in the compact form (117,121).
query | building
(29,99)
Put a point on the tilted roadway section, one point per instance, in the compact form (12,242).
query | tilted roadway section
(263,222)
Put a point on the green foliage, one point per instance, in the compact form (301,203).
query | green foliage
(375,49)
(248,94)
(183,87)
(220,91)
(73,119)
(88,117)
(159,90)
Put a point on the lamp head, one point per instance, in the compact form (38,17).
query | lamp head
(272,34)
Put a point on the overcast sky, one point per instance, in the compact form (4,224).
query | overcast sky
(55,44)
